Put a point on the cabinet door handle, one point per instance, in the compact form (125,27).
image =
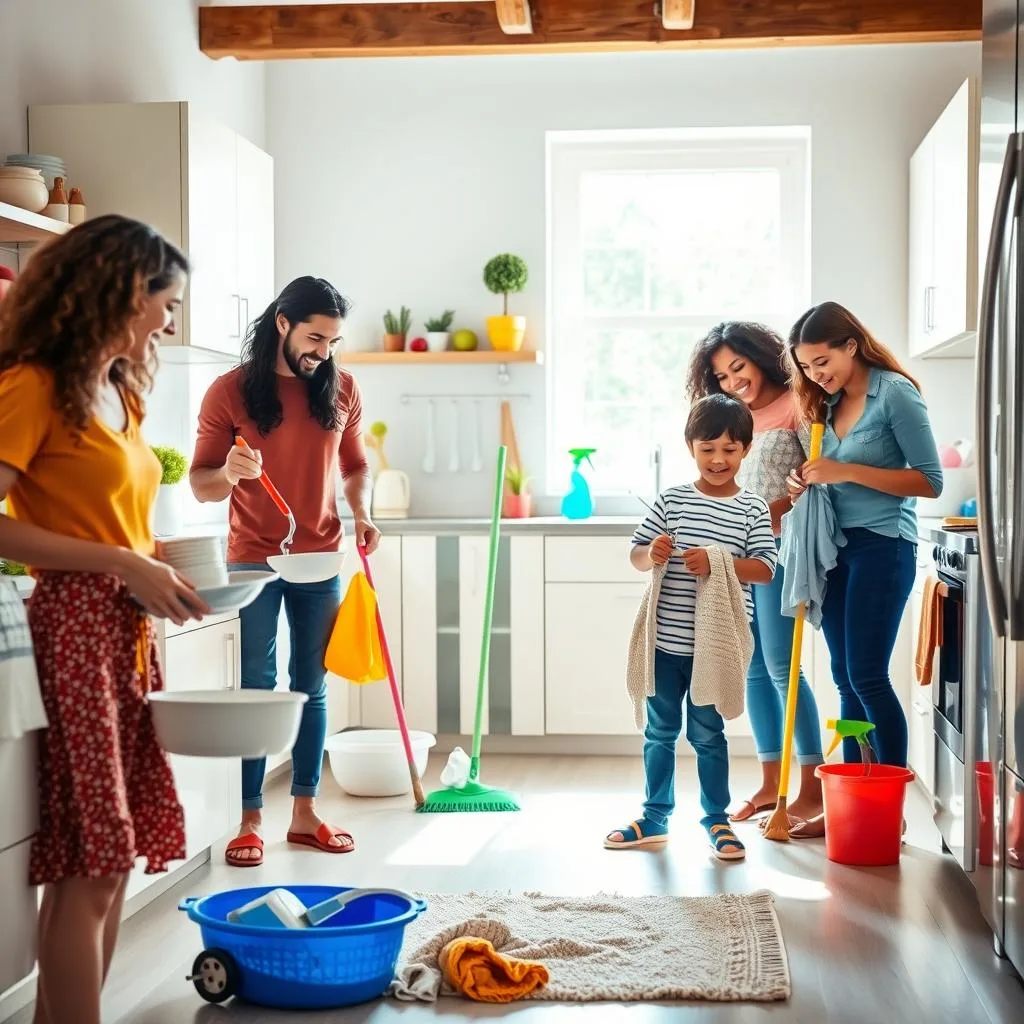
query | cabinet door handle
(243,332)
(238,316)
(229,650)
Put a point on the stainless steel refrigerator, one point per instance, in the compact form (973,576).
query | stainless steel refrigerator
(1000,446)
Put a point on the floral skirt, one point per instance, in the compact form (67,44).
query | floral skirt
(106,793)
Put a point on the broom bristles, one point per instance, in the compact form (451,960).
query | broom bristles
(778,824)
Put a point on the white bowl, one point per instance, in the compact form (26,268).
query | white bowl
(226,723)
(371,762)
(25,193)
(311,567)
(241,589)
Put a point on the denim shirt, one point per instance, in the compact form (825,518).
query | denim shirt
(893,432)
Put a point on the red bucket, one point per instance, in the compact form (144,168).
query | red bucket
(863,812)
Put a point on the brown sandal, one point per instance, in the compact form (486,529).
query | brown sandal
(754,809)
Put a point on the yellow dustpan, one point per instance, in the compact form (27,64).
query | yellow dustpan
(777,825)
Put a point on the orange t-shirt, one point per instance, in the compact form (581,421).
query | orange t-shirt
(97,485)
(299,456)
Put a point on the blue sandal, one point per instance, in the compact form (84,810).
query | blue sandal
(725,844)
(643,833)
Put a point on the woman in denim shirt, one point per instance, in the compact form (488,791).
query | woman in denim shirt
(878,456)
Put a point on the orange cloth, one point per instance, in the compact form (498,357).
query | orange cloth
(476,969)
(300,457)
(929,633)
(97,485)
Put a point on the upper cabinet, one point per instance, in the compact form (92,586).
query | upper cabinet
(943,254)
(203,186)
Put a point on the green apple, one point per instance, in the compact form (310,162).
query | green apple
(464,341)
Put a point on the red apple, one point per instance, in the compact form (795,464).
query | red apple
(418,345)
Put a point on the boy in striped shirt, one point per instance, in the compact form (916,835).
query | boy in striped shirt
(684,522)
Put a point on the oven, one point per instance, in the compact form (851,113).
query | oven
(961,692)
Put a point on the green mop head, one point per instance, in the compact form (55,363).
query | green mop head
(474,795)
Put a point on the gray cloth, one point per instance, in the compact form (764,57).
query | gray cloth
(640,660)
(811,540)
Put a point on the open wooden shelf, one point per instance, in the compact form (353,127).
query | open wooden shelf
(17,226)
(479,356)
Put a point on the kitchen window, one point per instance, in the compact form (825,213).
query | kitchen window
(654,237)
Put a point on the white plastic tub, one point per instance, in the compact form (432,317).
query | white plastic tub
(371,762)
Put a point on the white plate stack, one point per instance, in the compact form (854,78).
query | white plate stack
(52,167)
(199,559)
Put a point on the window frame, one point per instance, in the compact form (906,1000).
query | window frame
(571,155)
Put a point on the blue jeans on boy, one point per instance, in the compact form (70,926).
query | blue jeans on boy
(768,681)
(705,732)
(867,592)
(311,609)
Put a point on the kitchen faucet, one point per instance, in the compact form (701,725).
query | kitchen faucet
(656,462)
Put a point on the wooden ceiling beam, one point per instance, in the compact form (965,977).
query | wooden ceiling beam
(289,32)
(514,17)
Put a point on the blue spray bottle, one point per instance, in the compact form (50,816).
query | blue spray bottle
(578,504)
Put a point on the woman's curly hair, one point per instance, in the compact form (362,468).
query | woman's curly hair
(749,340)
(74,301)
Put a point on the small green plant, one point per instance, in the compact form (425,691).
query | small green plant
(516,479)
(504,274)
(173,464)
(398,324)
(9,568)
(441,324)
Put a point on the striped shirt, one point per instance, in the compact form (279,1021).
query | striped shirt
(742,525)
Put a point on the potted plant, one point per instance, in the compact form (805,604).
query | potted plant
(517,502)
(503,274)
(167,510)
(438,331)
(395,330)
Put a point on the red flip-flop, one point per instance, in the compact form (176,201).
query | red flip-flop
(250,841)
(321,839)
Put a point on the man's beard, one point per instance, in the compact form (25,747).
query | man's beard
(296,363)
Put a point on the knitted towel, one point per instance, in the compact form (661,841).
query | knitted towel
(640,662)
(723,644)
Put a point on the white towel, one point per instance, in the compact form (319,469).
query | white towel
(21,706)
(723,643)
(640,662)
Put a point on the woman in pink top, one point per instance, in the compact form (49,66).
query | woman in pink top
(745,360)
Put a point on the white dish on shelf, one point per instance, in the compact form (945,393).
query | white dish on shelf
(226,723)
(309,567)
(25,192)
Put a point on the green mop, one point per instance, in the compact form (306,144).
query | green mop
(474,795)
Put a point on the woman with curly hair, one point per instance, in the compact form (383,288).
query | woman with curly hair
(79,332)
(746,361)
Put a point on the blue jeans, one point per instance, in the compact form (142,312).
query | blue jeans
(867,592)
(311,609)
(768,681)
(705,732)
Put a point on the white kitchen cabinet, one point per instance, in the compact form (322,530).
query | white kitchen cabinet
(19,900)
(943,245)
(207,189)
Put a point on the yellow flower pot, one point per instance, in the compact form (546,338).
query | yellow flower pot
(506,333)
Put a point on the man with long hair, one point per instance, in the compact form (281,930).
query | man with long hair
(302,415)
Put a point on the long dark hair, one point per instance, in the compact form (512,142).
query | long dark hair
(299,302)
(834,325)
(754,342)
(79,293)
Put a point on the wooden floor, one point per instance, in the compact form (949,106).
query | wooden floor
(903,944)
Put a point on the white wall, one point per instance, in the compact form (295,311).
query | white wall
(398,179)
(111,51)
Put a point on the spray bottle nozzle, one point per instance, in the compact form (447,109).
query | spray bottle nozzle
(579,454)
(847,727)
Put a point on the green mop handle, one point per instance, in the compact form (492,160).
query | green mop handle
(485,642)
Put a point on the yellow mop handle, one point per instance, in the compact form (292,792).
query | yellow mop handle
(817,434)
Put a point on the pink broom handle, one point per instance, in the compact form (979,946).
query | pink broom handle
(403,726)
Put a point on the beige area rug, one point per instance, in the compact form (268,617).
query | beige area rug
(621,948)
